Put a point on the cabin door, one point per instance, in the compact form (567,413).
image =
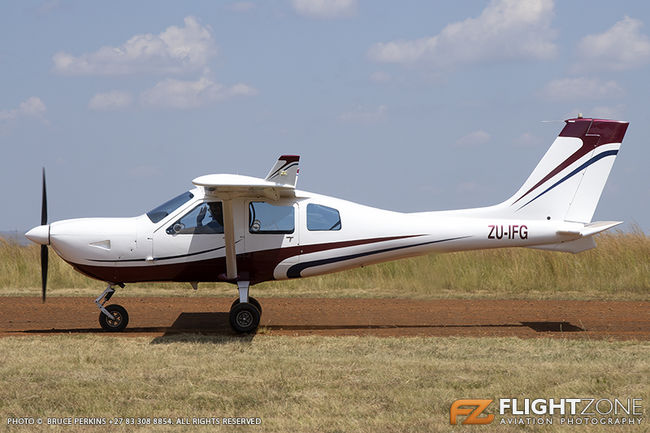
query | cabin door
(273,236)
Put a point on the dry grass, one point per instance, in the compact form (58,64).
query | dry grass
(333,384)
(307,384)
(618,269)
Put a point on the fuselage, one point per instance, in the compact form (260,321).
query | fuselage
(304,235)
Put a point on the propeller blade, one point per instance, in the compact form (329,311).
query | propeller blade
(44,263)
(44,203)
(44,255)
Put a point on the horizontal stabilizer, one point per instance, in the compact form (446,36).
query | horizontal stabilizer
(591,228)
(598,226)
(577,246)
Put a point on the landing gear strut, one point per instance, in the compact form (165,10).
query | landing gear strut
(112,318)
(246,311)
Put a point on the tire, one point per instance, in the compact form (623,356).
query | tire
(120,322)
(244,318)
(251,300)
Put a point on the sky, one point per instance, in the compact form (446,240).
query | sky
(408,106)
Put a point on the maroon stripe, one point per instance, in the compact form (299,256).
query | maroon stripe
(290,158)
(255,267)
(608,131)
(593,133)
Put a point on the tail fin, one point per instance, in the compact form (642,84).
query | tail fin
(568,181)
(285,171)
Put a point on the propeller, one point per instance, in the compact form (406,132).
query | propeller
(44,256)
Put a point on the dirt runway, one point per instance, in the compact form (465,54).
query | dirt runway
(308,316)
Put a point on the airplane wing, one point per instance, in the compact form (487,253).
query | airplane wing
(280,182)
(228,186)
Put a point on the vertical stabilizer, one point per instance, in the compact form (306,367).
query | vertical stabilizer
(285,171)
(567,183)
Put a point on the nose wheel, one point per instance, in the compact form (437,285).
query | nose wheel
(118,322)
(112,318)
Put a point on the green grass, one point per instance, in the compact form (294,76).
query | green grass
(618,269)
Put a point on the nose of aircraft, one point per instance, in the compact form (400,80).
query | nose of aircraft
(39,234)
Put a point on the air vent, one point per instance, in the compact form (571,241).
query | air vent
(104,245)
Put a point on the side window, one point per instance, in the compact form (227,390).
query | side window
(267,218)
(206,218)
(322,218)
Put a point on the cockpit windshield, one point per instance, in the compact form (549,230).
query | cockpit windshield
(157,214)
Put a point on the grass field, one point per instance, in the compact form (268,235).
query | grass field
(307,384)
(618,269)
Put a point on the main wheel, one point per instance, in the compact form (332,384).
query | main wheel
(251,300)
(244,317)
(114,325)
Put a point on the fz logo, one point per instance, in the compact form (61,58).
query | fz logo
(472,409)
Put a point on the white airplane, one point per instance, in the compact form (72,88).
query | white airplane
(245,230)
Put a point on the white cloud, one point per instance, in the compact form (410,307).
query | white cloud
(621,47)
(113,100)
(31,107)
(475,138)
(171,93)
(325,8)
(175,50)
(567,89)
(380,77)
(506,29)
(364,115)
